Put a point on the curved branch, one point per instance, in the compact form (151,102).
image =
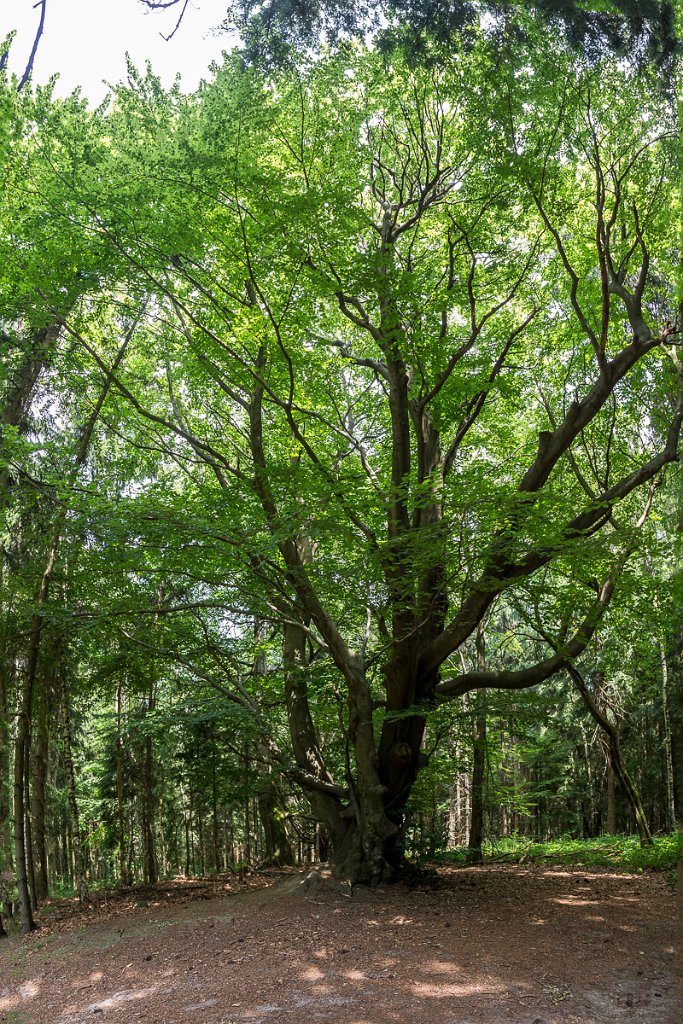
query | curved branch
(502,571)
(524,678)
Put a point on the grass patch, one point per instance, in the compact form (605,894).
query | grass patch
(623,853)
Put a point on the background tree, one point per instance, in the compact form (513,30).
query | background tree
(272,28)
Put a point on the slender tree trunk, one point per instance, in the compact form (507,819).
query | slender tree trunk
(611,801)
(589,818)
(149,853)
(187,822)
(39,780)
(80,882)
(616,758)
(247,815)
(476,834)
(668,755)
(191,811)
(119,788)
(5,842)
(214,809)
(20,745)
(28,830)
(43,348)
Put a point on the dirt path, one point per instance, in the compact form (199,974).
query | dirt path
(486,946)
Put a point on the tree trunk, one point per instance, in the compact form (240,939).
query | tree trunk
(39,780)
(214,808)
(357,831)
(611,802)
(5,842)
(668,755)
(28,830)
(80,882)
(278,847)
(119,788)
(247,815)
(42,349)
(474,855)
(615,755)
(20,745)
(149,853)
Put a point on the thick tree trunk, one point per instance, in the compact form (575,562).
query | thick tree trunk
(360,830)
(278,849)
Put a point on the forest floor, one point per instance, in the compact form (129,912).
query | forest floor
(485,945)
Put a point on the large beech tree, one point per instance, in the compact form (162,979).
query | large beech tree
(409,340)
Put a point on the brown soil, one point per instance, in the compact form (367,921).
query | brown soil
(481,946)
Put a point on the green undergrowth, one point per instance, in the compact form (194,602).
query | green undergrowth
(623,853)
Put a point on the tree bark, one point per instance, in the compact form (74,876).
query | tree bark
(39,779)
(79,867)
(615,755)
(6,873)
(611,801)
(278,847)
(476,835)
(149,853)
(20,765)
(28,829)
(119,788)
(5,843)
(668,745)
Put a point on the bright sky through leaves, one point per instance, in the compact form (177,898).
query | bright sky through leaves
(85,41)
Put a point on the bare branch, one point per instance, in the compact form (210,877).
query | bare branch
(28,70)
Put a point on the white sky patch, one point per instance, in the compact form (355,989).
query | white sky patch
(85,41)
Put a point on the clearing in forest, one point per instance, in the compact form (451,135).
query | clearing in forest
(487,945)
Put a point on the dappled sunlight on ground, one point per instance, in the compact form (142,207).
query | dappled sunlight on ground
(575,901)
(469,951)
(439,967)
(26,991)
(115,1001)
(312,974)
(442,991)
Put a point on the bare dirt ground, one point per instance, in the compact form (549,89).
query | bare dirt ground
(481,946)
